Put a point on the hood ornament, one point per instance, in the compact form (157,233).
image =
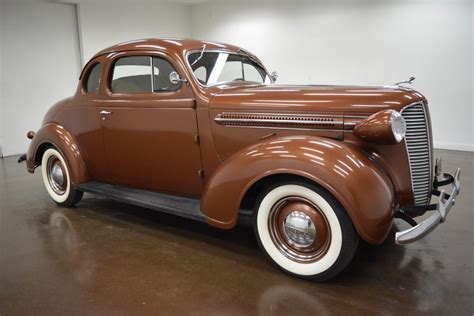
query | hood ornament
(409,81)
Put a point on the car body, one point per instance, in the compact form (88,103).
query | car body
(200,130)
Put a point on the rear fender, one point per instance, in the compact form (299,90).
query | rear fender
(349,175)
(53,134)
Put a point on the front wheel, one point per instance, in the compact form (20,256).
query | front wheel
(305,231)
(57,179)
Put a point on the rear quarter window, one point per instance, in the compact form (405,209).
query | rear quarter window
(93,78)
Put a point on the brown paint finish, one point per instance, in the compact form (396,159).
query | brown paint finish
(394,162)
(163,141)
(149,138)
(305,99)
(82,121)
(146,148)
(56,135)
(228,141)
(335,166)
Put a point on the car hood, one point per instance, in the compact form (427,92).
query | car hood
(303,98)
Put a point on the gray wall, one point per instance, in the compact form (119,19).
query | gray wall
(40,65)
(367,42)
(137,21)
(340,42)
(1,77)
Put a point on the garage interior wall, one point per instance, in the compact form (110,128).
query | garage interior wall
(103,24)
(40,65)
(1,78)
(43,44)
(364,43)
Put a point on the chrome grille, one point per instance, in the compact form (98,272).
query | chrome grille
(418,146)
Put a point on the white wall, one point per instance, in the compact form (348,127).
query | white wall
(106,24)
(361,42)
(41,55)
(40,65)
(1,78)
(341,42)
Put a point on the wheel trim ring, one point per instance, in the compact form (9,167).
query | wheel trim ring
(309,254)
(58,188)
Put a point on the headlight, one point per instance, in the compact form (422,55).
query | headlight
(399,127)
(384,127)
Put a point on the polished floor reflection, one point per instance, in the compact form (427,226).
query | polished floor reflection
(105,257)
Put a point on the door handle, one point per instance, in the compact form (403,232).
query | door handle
(104,114)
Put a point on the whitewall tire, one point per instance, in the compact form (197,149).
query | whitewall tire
(304,230)
(57,180)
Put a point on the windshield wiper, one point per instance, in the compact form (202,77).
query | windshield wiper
(200,55)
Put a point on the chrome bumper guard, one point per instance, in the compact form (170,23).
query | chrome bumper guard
(441,210)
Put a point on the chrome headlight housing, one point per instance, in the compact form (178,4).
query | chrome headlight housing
(399,126)
(383,127)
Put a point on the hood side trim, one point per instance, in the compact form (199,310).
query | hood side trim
(283,120)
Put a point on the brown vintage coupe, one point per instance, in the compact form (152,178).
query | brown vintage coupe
(200,130)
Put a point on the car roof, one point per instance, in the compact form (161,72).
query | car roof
(172,45)
(165,44)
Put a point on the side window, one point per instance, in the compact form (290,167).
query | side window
(135,74)
(132,75)
(161,75)
(93,78)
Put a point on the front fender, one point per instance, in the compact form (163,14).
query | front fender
(349,175)
(57,136)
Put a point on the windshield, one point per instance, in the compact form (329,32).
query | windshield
(213,68)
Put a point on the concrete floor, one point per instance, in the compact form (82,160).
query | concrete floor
(106,257)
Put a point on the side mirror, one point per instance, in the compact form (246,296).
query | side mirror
(274,76)
(175,79)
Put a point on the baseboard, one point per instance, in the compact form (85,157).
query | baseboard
(451,146)
(11,155)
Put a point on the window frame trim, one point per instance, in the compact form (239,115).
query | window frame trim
(114,59)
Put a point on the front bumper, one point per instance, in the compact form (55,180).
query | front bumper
(440,209)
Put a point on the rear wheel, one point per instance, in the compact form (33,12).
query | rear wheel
(305,231)
(57,180)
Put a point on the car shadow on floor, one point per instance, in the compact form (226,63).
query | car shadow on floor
(367,260)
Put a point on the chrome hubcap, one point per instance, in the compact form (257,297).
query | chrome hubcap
(57,176)
(299,229)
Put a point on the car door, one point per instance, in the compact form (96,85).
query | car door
(149,126)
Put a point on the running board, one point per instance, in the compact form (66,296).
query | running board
(171,204)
